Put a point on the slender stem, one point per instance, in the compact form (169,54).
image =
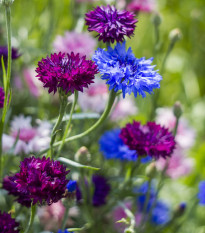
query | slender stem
(93,127)
(33,212)
(170,48)
(65,218)
(69,122)
(176,127)
(63,104)
(8,77)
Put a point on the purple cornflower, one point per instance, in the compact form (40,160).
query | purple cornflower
(4,53)
(150,139)
(8,224)
(111,24)
(39,181)
(66,71)
(2,96)
(101,190)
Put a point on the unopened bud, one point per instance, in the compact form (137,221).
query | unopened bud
(177,109)
(157,19)
(175,35)
(83,155)
(151,170)
(180,210)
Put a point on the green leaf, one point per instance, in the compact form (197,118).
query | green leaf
(75,164)
(4,74)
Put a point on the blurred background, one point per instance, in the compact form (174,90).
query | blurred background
(37,30)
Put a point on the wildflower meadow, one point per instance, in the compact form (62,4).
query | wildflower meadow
(102,116)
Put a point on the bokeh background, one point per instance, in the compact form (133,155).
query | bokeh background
(35,25)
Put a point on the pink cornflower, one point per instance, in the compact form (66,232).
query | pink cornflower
(81,43)
(142,5)
(30,139)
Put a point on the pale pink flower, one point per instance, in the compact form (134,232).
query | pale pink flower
(124,108)
(29,138)
(178,164)
(51,216)
(142,5)
(186,135)
(81,43)
(94,98)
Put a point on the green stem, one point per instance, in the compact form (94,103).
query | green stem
(33,212)
(170,48)
(69,122)
(65,218)
(93,127)
(63,104)
(176,127)
(8,77)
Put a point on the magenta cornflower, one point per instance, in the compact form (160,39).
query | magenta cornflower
(2,96)
(68,72)
(39,181)
(150,139)
(111,24)
(8,224)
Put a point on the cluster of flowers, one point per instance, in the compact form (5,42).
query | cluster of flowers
(43,181)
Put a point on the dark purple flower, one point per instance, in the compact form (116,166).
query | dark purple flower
(101,190)
(39,181)
(150,139)
(111,24)
(66,71)
(8,224)
(4,52)
(2,96)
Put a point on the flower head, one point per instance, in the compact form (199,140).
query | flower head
(111,24)
(66,231)
(201,194)
(150,139)
(126,73)
(81,43)
(66,71)
(101,190)
(4,53)
(2,96)
(39,181)
(71,186)
(8,224)
(142,5)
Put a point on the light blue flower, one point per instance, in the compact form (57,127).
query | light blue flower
(124,72)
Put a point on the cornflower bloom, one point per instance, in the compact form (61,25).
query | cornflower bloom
(39,181)
(2,96)
(4,52)
(201,194)
(68,72)
(142,6)
(8,224)
(126,73)
(150,139)
(111,24)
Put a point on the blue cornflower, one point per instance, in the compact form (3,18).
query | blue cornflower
(124,72)
(112,147)
(71,186)
(161,213)
(201,194)
(66,231)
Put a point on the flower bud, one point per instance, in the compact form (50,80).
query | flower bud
(175,35)
(177,110)
(151,170)
(71,186)
(157,20)
(180,210)
(83,155)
